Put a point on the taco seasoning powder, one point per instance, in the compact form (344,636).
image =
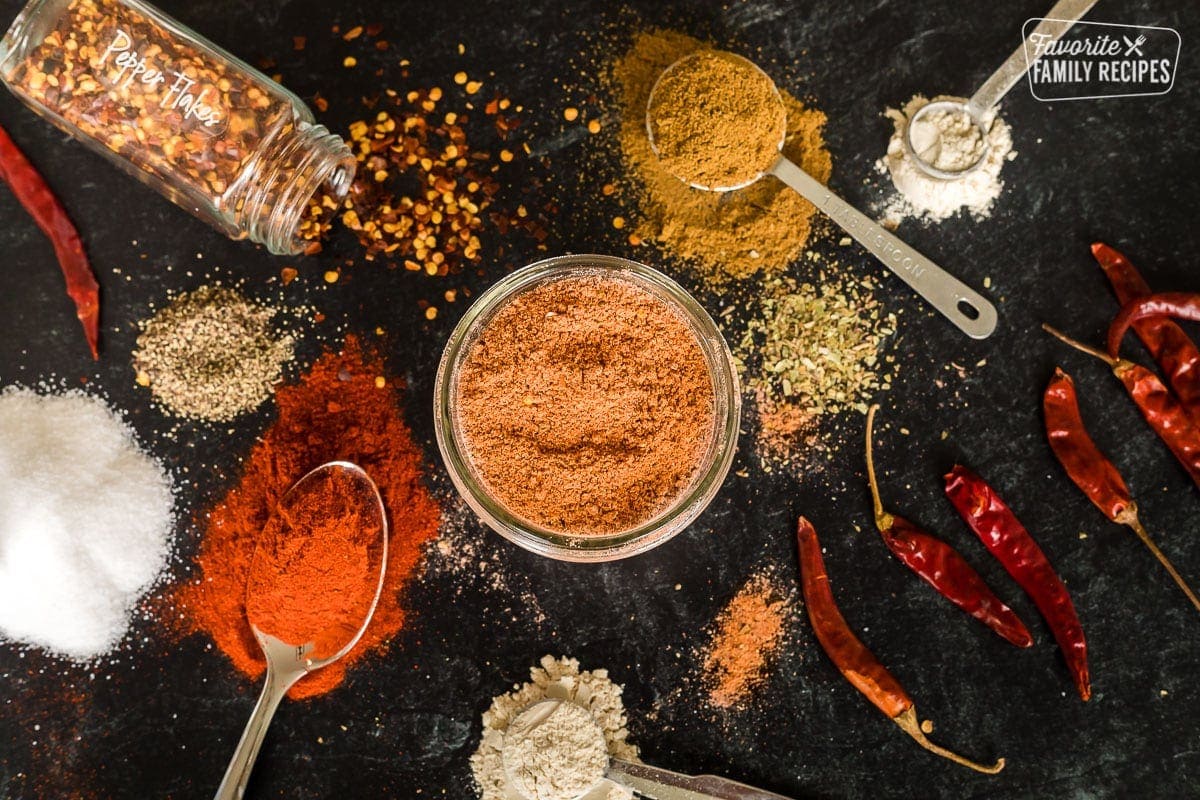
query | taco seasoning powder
(586,405)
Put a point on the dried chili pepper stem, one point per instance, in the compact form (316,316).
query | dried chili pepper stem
(882,518)
(1129,518)
(1162,410)
(857,664)
(940,565)
(1080,346)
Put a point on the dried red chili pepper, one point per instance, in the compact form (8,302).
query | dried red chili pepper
(852,658)
(1008,540)
(1158,406)
(1092,471)
(1178,305)
(1170,347)
(35,196)
(940,565)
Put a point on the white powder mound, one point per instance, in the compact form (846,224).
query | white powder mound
(85,523)
(951,142)
(554,751)
(558,679)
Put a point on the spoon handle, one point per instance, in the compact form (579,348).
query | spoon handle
(237,775)
(663,784)
(956,301)
(1057,21)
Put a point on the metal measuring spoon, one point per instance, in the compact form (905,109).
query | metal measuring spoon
(649,782)
(979,109)
(288,662)
(956,301)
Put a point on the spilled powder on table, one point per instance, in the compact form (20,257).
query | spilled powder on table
(724,236)
(745,639)
(470,555)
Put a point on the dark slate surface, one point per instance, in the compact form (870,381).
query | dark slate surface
(160,719)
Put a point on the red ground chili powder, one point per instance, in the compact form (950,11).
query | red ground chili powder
(335,412)
(316,568)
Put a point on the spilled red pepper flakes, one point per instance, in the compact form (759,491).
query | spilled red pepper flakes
(424,194)
(336,412)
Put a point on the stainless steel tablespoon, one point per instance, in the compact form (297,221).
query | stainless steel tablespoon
(649,782)
(959,303)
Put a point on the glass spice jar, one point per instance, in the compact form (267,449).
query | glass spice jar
(207,130)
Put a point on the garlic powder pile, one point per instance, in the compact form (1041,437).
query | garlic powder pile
(924,196)
(561,679)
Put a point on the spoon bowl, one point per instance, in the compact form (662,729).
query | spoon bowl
(919,153)
(594,783)
(1058,20)
(290,654)
(683,65)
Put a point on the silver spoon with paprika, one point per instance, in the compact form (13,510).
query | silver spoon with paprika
(314,582)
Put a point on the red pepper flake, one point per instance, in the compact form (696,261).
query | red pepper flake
(353,33)
(298,42)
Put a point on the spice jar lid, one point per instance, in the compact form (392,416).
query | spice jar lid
(712,467)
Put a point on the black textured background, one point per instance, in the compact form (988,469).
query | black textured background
(160,720)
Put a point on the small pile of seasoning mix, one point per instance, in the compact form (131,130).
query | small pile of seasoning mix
(717,120)
(723,235)
(746,636)
(423,194)
(211,354)
(586,405)
(810,352)
(337,411)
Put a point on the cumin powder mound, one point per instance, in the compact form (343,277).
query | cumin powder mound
(717,120)
(748,633)
(586,405)
(728,235)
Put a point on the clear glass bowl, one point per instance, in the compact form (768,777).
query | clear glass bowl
(713,467)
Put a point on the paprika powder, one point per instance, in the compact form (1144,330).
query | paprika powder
(335,412)
(316,571)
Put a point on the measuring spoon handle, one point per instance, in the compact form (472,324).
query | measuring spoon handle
(1057,21)
(956,301)
(663,784)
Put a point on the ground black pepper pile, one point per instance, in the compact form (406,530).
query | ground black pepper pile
(211,354)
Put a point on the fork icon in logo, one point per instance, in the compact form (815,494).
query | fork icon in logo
(1134,47)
